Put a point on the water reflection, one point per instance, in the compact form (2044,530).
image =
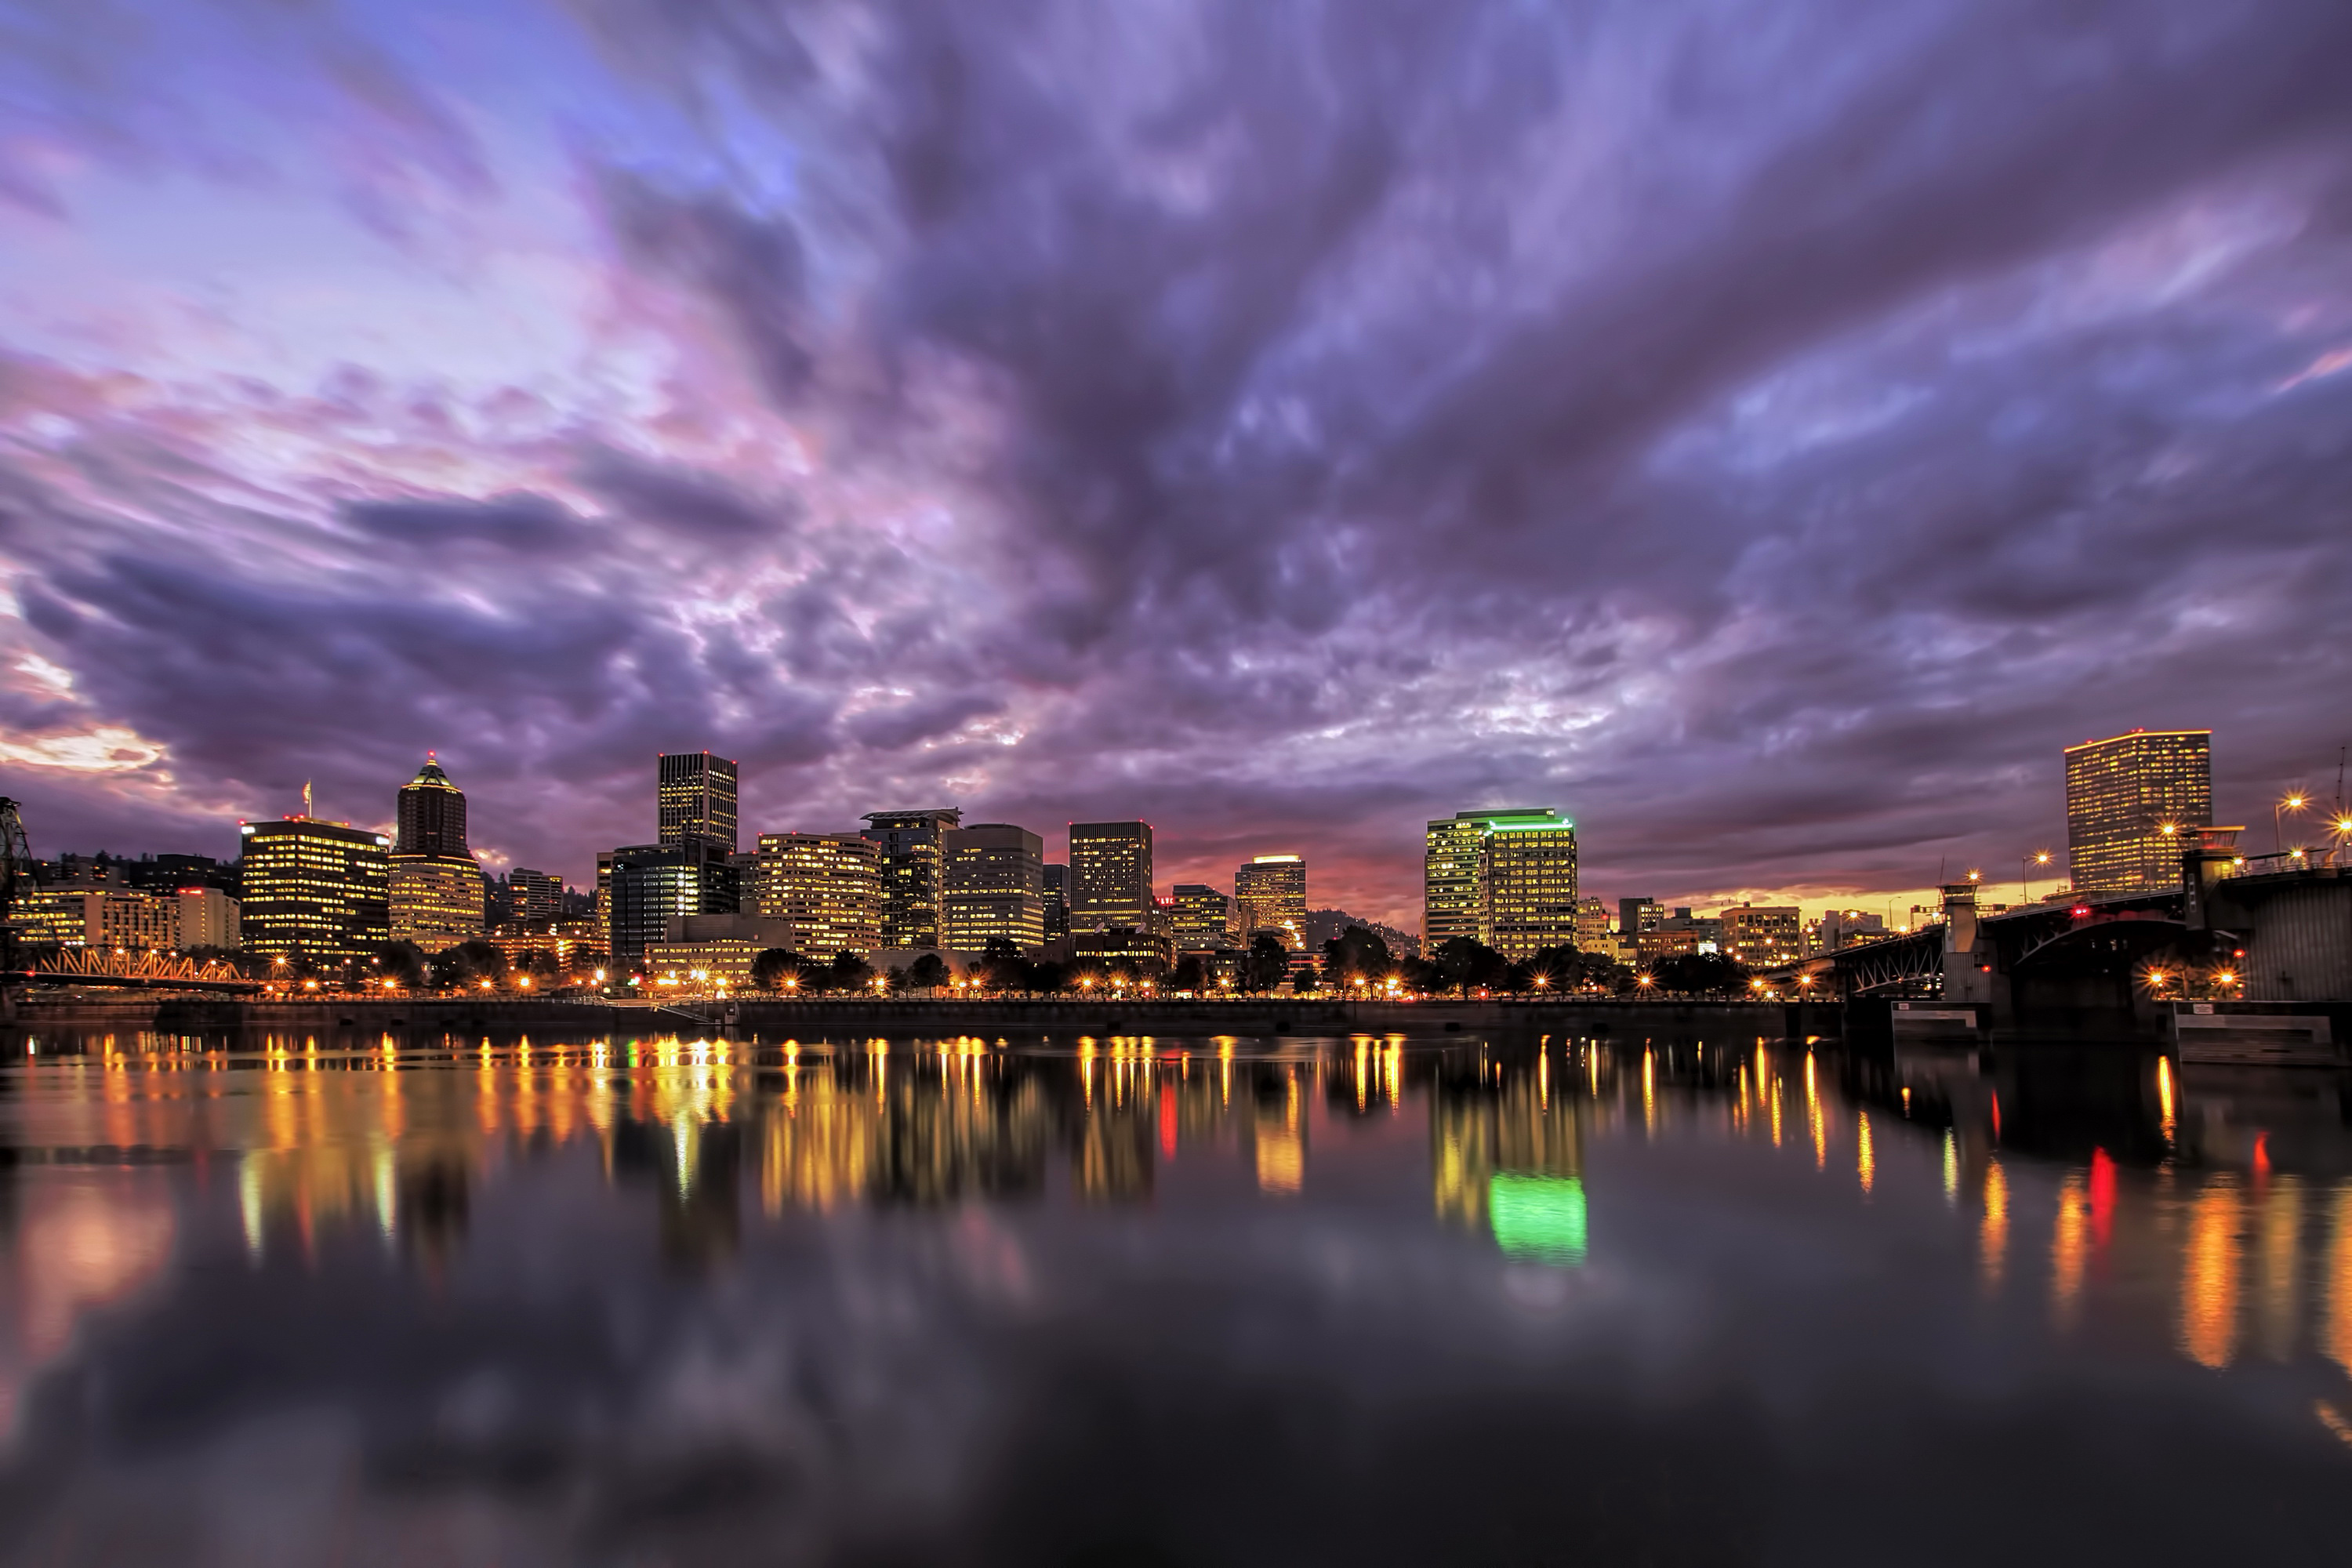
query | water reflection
(943,1214)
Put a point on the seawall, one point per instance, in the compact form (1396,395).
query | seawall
(780,1019)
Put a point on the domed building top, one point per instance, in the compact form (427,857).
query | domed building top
(432,815)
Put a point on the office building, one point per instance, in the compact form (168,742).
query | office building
(435,891)
(1201,916)
(1507,879)
(1592,926)
(994,887)
(1270,895)
(1454,881)
(314,889)
(1635,916)
(1057,883)
(910,844)
(1110,876)
(1761,937)
(695,801)
(205,916)
(107,916)
(1530,883)
(534,898)
(825,887)
(1843,928)
(651,884)
(2133,804)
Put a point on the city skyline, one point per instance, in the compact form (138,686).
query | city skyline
(1779,494)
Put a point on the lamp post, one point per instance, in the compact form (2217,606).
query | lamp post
(2025,873)
(2291,803)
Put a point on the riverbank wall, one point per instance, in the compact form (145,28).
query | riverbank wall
(820,1017)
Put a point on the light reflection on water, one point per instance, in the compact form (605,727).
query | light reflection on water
(907,1299)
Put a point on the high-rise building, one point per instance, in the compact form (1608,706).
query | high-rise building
(432,813)
(910,843)
(1203,917)
(1762,937)
(1591,925)
(653,883)
(994,881)
(1507,879)
(695,798)
(536,897)
(2133,804)
(1110,876)
(1057,883)
(1270,894)
(207,918)
(314,889)
(1530,882)
(826,889)
(435,890)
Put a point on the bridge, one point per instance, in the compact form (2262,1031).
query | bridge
(2274,929)
(118,968)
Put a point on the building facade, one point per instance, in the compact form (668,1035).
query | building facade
(110,917)
(1110,876)
(1592,932)
(314,889)
(1202,917)
(1057,883)
(206,917)
(1270,895)
(2133,804)
(826,889)
(653,883)
(535,897)
(695,801)
(993,886)
(435,890)
(1761,937)
(1507,879)
(910,843)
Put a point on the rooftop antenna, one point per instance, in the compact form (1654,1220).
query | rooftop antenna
(306,797)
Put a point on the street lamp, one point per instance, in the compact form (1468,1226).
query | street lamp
(2025,873)
(2295,802)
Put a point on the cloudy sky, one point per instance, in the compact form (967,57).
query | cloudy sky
(1766,430)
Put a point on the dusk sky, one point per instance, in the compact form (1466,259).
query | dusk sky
(1767,432)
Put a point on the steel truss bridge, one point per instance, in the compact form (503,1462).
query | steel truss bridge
(128,971)
(1913,964)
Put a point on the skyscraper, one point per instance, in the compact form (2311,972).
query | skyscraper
(1507,879)
(1057,883)
(695,800)
(1270,894)
(1203,916)
(2132,803)
(825,887)
(993,882)
(910,843)
(1110,876)
(653,883)
(314,889)
(435,887)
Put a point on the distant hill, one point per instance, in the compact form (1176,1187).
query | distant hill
(1322,925)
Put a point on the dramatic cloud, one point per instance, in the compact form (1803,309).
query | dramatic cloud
(1768,435)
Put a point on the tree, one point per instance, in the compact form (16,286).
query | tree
(773,966)
(1267,963)
(1003,967)
(1465,961)
(849,972)
(1048,978)
(1190,974)
(467,964)
(1357,954)
(1420,974)
(927,973)
(402,961)
(1700,975)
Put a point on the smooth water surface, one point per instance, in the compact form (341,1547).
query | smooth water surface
(353,1301)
